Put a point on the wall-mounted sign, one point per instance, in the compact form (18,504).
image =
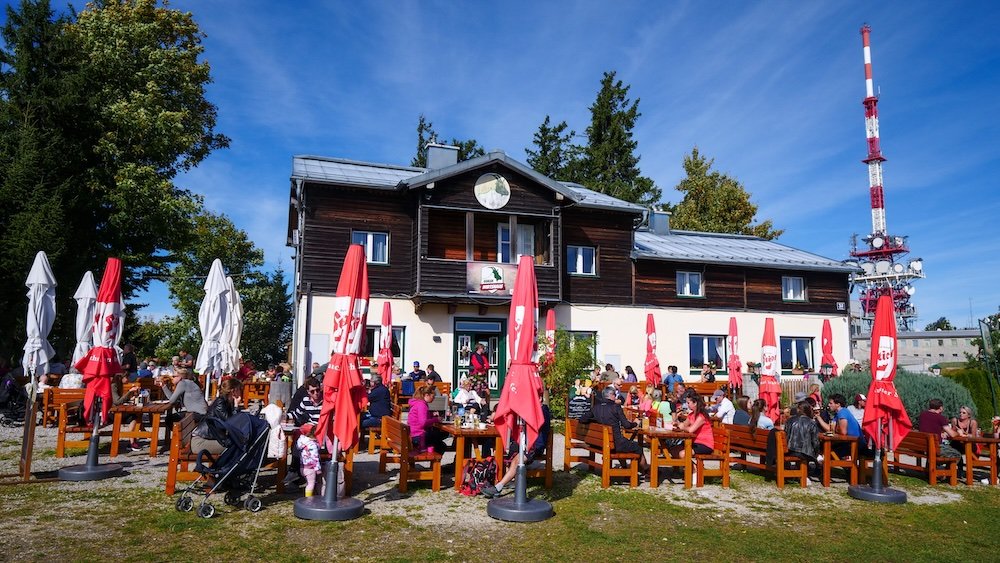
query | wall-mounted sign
(490,278)
(492,191)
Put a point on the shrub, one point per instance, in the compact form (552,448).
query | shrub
(975,380)
(914,389)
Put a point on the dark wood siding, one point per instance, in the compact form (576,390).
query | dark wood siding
(333,213)
(446,234)
(611,234)
(823,291)
(526,195)
(484,245)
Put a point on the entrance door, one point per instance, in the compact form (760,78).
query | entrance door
(492,335)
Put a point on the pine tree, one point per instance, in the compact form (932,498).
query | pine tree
(425,134)
(609,163)
(716,203)
(555,151)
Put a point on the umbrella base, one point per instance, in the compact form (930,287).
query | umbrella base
(884,495)
(507,509)
(318,508)
(90,472)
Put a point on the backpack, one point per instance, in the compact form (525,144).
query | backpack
(476,474)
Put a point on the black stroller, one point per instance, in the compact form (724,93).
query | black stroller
(13,400)
(236,469)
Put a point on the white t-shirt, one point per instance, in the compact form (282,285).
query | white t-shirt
(726,410)
(858,414)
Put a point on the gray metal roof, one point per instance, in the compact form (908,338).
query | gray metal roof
(719,248)
(350,172)
(589,198)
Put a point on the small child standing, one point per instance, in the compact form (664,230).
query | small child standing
(309,464)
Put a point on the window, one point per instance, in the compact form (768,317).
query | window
(503,243)
(940,342)
(689,285)
(525,240)
(793,289)
(706,349)
(581,260)
(373,337)
(534,238)
(376,245)
(796,352)
(584,338)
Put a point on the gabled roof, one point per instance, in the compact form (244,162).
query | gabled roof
(350,172)
(720,248)
(589,198)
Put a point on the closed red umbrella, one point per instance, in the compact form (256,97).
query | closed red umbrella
(384,362)
(343,391)
(652,366)
(827,347)
(770,389)
(522,386)
(550,336)
(884,413)
(102,361)
(734,365)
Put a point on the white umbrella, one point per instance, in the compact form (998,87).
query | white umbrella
(212,321)
(41,314)
(86,307)
(233,330)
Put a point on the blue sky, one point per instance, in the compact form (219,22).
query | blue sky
(771,90)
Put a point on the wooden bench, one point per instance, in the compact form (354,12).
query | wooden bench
(719,454)
(851,462)
(63,439)
(545,471)
(53,397)
(925,447)
(375,432)
(598,439)
(182,459)
(705,389)
(256,391)
(396,438)
(742,443)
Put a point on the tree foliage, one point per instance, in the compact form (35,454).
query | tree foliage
(467,149)
(915,390)
(608,163)
(988,358)
(572,359)
(554,150)
(716,203)
(940,324)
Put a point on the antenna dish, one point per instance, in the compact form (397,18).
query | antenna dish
(868,267)
(898,268)
(882,266)
(877,242)
(910,290)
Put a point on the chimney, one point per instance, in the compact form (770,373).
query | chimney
(440,156)
(659,222)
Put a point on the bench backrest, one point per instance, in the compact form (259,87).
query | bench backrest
(186,425)
(740,436)
(593,434)
(396,435)
(917,443)
(60,396)
(705,389)
(721,437)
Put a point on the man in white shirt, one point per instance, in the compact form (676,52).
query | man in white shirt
(858,408)
(724,409)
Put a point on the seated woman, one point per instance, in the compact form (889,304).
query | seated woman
(536,449)
(964,424)
(757,417)
(630,376)
(422,430)
(646,404)
(697,423)
(467,398)
(661,406)
(803,432)
(223,407)
(181,388)
(742,416)
(633,401)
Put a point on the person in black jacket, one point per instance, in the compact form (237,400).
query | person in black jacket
(608,412)
(223,407)
(379,405)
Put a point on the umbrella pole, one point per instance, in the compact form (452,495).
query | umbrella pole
(521,481)
(328,507)
(332,473)
(520,508)
(877,491)
(92,470)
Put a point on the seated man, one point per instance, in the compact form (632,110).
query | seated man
(608,412)
(417,374)
(724,409)
(379,405)
(934,422)
(490,491)
(843,423)
(305,408)
(432,374)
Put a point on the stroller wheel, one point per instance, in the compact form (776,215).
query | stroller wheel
(252,504)
(233,498)
(206,510)
(184,504)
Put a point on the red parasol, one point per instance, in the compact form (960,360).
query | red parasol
(884,405)
(343,392)
(770,389)
(827,347)
(652,367)
(734,365)
(522,386)
(102,361)
(550,336)
(385,359)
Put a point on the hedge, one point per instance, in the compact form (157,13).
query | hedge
(975,380)
(915,389)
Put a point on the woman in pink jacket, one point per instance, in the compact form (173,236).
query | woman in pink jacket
(422,431)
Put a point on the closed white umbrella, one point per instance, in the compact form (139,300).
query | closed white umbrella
(234,329)
(212,322)
(41,314)
(86,306)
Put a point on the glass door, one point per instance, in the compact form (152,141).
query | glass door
(468,335)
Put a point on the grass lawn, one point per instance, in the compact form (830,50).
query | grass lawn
(753,521)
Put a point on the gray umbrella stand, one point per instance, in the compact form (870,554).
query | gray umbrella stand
(520,508)
(92,470)
(877,491)
(328,507)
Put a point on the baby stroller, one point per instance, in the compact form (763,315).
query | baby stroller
(235,470)
(13,400)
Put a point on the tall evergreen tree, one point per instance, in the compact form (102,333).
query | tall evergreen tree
(609,163)
(467,149)
(554,149)
(716,203)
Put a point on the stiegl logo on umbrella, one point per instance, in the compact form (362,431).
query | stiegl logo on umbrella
(886,357)
(769,360)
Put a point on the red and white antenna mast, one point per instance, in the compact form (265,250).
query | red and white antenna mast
(881,270)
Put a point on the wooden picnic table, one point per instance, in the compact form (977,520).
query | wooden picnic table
(660,456)
(156,410)
(465,439)
(972,459)
(828,440)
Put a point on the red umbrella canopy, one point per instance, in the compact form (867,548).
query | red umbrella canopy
(343,392)
(384,361)
(735,368)
(827,346)
(522,386)
(102,361)
(770,389)
(550,332)
(652,366)
(884,405)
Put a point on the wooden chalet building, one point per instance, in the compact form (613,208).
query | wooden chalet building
(442,244)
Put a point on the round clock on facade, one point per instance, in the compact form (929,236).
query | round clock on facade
(492,191)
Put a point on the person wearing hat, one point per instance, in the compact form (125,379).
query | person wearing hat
(724,408)
(417,374)
(799,397)
(858,408)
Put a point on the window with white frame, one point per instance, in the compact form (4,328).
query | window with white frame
(376,245)
(503,243)
(584,338)
(796,352)
(373,337)
(706,349)
(793,288)
(689,284)
(581,260)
